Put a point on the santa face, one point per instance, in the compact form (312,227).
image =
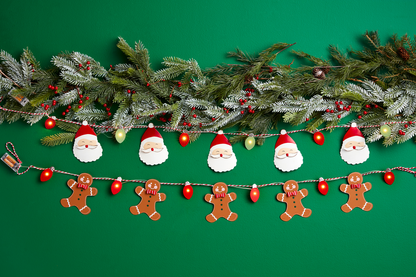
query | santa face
(219,188)
(222,158)
(87,148)
(354,150)
(153,185)
(153,151)
(288,158)
(290,186)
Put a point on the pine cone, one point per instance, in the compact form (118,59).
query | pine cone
(318,73)
(326,69)
(402,52)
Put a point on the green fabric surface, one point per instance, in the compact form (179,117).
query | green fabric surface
(39,237)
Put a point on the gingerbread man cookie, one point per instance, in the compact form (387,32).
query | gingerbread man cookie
(292,197)
(356,190)
(149,197)
(81,190)
(220,200)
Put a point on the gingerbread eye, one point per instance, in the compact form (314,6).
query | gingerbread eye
(288,187)
(293,186)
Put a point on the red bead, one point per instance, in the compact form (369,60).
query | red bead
(242,112)
(151,115)
(42,105)
(194,115)
(403,133)
(365,112)
(88,62)
(339,116)
(359,117)
(79,107)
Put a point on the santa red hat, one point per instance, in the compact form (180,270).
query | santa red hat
(284,140)
(151,134)
(353,134)
(220,139)
(86,131)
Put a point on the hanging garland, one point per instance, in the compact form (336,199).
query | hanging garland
(150,194)
(378,84)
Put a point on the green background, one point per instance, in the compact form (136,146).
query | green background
(38,237)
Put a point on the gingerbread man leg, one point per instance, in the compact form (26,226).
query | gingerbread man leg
(367,206)
(65,202)
(285,216)
(84,210)
(154,216)
(346,208)
(135,210)
(232,216)
(211,218)
(306,213)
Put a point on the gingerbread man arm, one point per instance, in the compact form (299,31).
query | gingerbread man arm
(162,197)
(71,184)
(208,197)
(280,197)
(139,190)
(232,196)
(367,186)
(303,192)
(344,188)
(93,191)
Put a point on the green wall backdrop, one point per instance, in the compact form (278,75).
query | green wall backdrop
(38,237)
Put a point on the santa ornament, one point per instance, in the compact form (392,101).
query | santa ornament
(86,146)
(221,157)
(152,151)
(354,150)
(287,157)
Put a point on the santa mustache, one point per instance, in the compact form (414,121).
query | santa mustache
(224,156)
(352,148)
(149,150)
(83,147)
(288,155)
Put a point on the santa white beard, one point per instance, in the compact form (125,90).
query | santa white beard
(355,156)
(288,163)
(87,155)
(222,165)
(153,157)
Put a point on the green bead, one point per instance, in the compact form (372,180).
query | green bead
(120,135)
(385,131)
(250,142)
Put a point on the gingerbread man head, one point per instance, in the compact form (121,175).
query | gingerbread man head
(85,180)
(290,186)
(355,178)
(220,188)
(153,185)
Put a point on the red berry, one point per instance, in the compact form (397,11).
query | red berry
(87,98)
(200,124)
(191,81)
(184,124)
(50,87)
(327,110)
(365,112)
(340,102)
(80,96)
(242,103)
(189,124)
(80,65)
(405,125)
(349,106)
(88,62)
(270,70)
(56,92)
(79,107)
(213,119)
(307,119)
(42,105)
(128,91)
(53,103)
(339,116)
(193,108)
(410,122)
(69,107)
(194,115)
(56,88)
(348,109)
(344,108)
(108,109)
(226,111)
(332,111)
(245,100)
(46,107)
(105,105)
(179,84)
(336,102)
(257,77)
(249,106)
(242,112)
(111,66)
(241,100)
(248,94)
(359,117)
(80,101)
(147,84)
(109,114)
(33,70)
(88,68)
(63,113)
(170,95)
(367,106)
(67,111)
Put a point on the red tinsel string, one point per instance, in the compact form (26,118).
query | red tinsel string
(400,168)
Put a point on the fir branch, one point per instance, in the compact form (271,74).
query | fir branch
(58,139)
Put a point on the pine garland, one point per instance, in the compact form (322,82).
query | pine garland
(378,84)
